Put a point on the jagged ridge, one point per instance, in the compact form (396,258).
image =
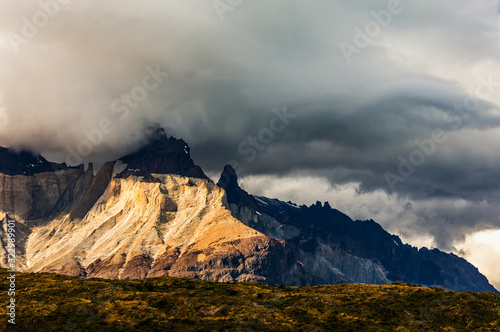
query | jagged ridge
(155,213)
(327,242)
(25,163)
(161,155)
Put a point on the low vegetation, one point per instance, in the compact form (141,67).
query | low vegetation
(51,302)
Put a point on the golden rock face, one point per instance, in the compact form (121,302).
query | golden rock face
(129,228)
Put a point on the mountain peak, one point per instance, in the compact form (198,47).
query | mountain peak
(235,195)
(162,155)
(228,178)
(25,163)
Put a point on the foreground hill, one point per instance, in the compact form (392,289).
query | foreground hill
(52,302)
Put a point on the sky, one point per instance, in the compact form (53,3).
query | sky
(389,110)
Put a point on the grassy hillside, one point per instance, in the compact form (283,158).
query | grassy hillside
(49,302)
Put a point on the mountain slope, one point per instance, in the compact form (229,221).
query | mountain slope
(155,213)
(143,224)
(332,246)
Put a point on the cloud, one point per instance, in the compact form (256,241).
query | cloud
(483,250)
(77,83)
(436,222)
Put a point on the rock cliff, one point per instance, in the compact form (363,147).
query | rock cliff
(142,216)
(155,213)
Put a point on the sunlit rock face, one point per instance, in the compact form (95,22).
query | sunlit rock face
(155,213)
(177,226)
(142,216)
(31,191)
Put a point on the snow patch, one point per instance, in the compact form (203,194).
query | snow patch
(261,201)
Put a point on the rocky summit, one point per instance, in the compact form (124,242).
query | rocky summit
(25,163)
(155,213)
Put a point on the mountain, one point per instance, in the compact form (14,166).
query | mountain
(155,213)
(128,221)
(25,163)
(162,155)
(334,248)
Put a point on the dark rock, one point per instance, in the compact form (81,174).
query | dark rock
(161,155)
(26,163)
(235,195)
(321,225)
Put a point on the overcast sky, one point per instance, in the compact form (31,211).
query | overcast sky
(389,111)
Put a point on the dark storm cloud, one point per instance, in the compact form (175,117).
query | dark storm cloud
(354,119)
(360,143)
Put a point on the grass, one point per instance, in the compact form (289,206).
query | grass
(51,302)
